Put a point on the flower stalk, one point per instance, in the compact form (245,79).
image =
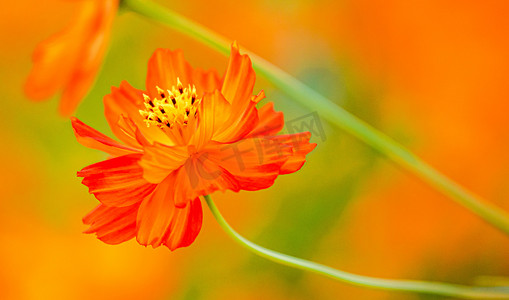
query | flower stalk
(331,112)
(436,288)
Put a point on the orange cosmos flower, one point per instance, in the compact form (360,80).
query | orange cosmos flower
(69,60)
(189,134)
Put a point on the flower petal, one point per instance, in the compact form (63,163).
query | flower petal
(127,101)
(44,79)
(300,147)
(239,79)
(206,81)
(158,161)
(185,226)
(270,122)
(163,69)
(112,225)
(239,125)
(91,138)
(159,222)
(117,181)
(155,215)
(61,50)
(253,163)
(165,66)
(249,164)
(201,176)
(237,88)
(70,60)
(213,112)
(91,54)
(132,132)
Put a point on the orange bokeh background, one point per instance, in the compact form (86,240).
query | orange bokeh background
(430,74)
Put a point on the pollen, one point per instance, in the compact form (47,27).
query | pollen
(170,107)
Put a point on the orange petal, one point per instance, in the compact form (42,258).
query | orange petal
(206,81)
(112,225)
(131,132)
(296,161)
(201,176)
(160,222)
(270,122)
(259,97)
(69,61)
(300,145)
(155,214)
(238,80)
(165,66)
(213,112)
(127,101)
(55,57)
(91,55)
(117,181)
(159,161)
(253,163)
(89,137)
(163,69)
(45,79)
(239,125)
(249,164)
(186,225)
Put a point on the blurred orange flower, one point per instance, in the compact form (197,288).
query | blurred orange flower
(189,134)
(69,60)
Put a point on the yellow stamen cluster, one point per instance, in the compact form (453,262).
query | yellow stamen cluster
(175,106)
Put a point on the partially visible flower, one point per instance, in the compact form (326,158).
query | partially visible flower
(68,61)
(189,134)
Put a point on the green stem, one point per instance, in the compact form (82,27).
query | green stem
(329,111)
(436,288)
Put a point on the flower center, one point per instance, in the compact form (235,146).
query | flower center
(174,107)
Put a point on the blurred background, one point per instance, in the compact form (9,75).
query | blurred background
(430,74)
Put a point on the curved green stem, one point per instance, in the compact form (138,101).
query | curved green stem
(329,111)
(435,288)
